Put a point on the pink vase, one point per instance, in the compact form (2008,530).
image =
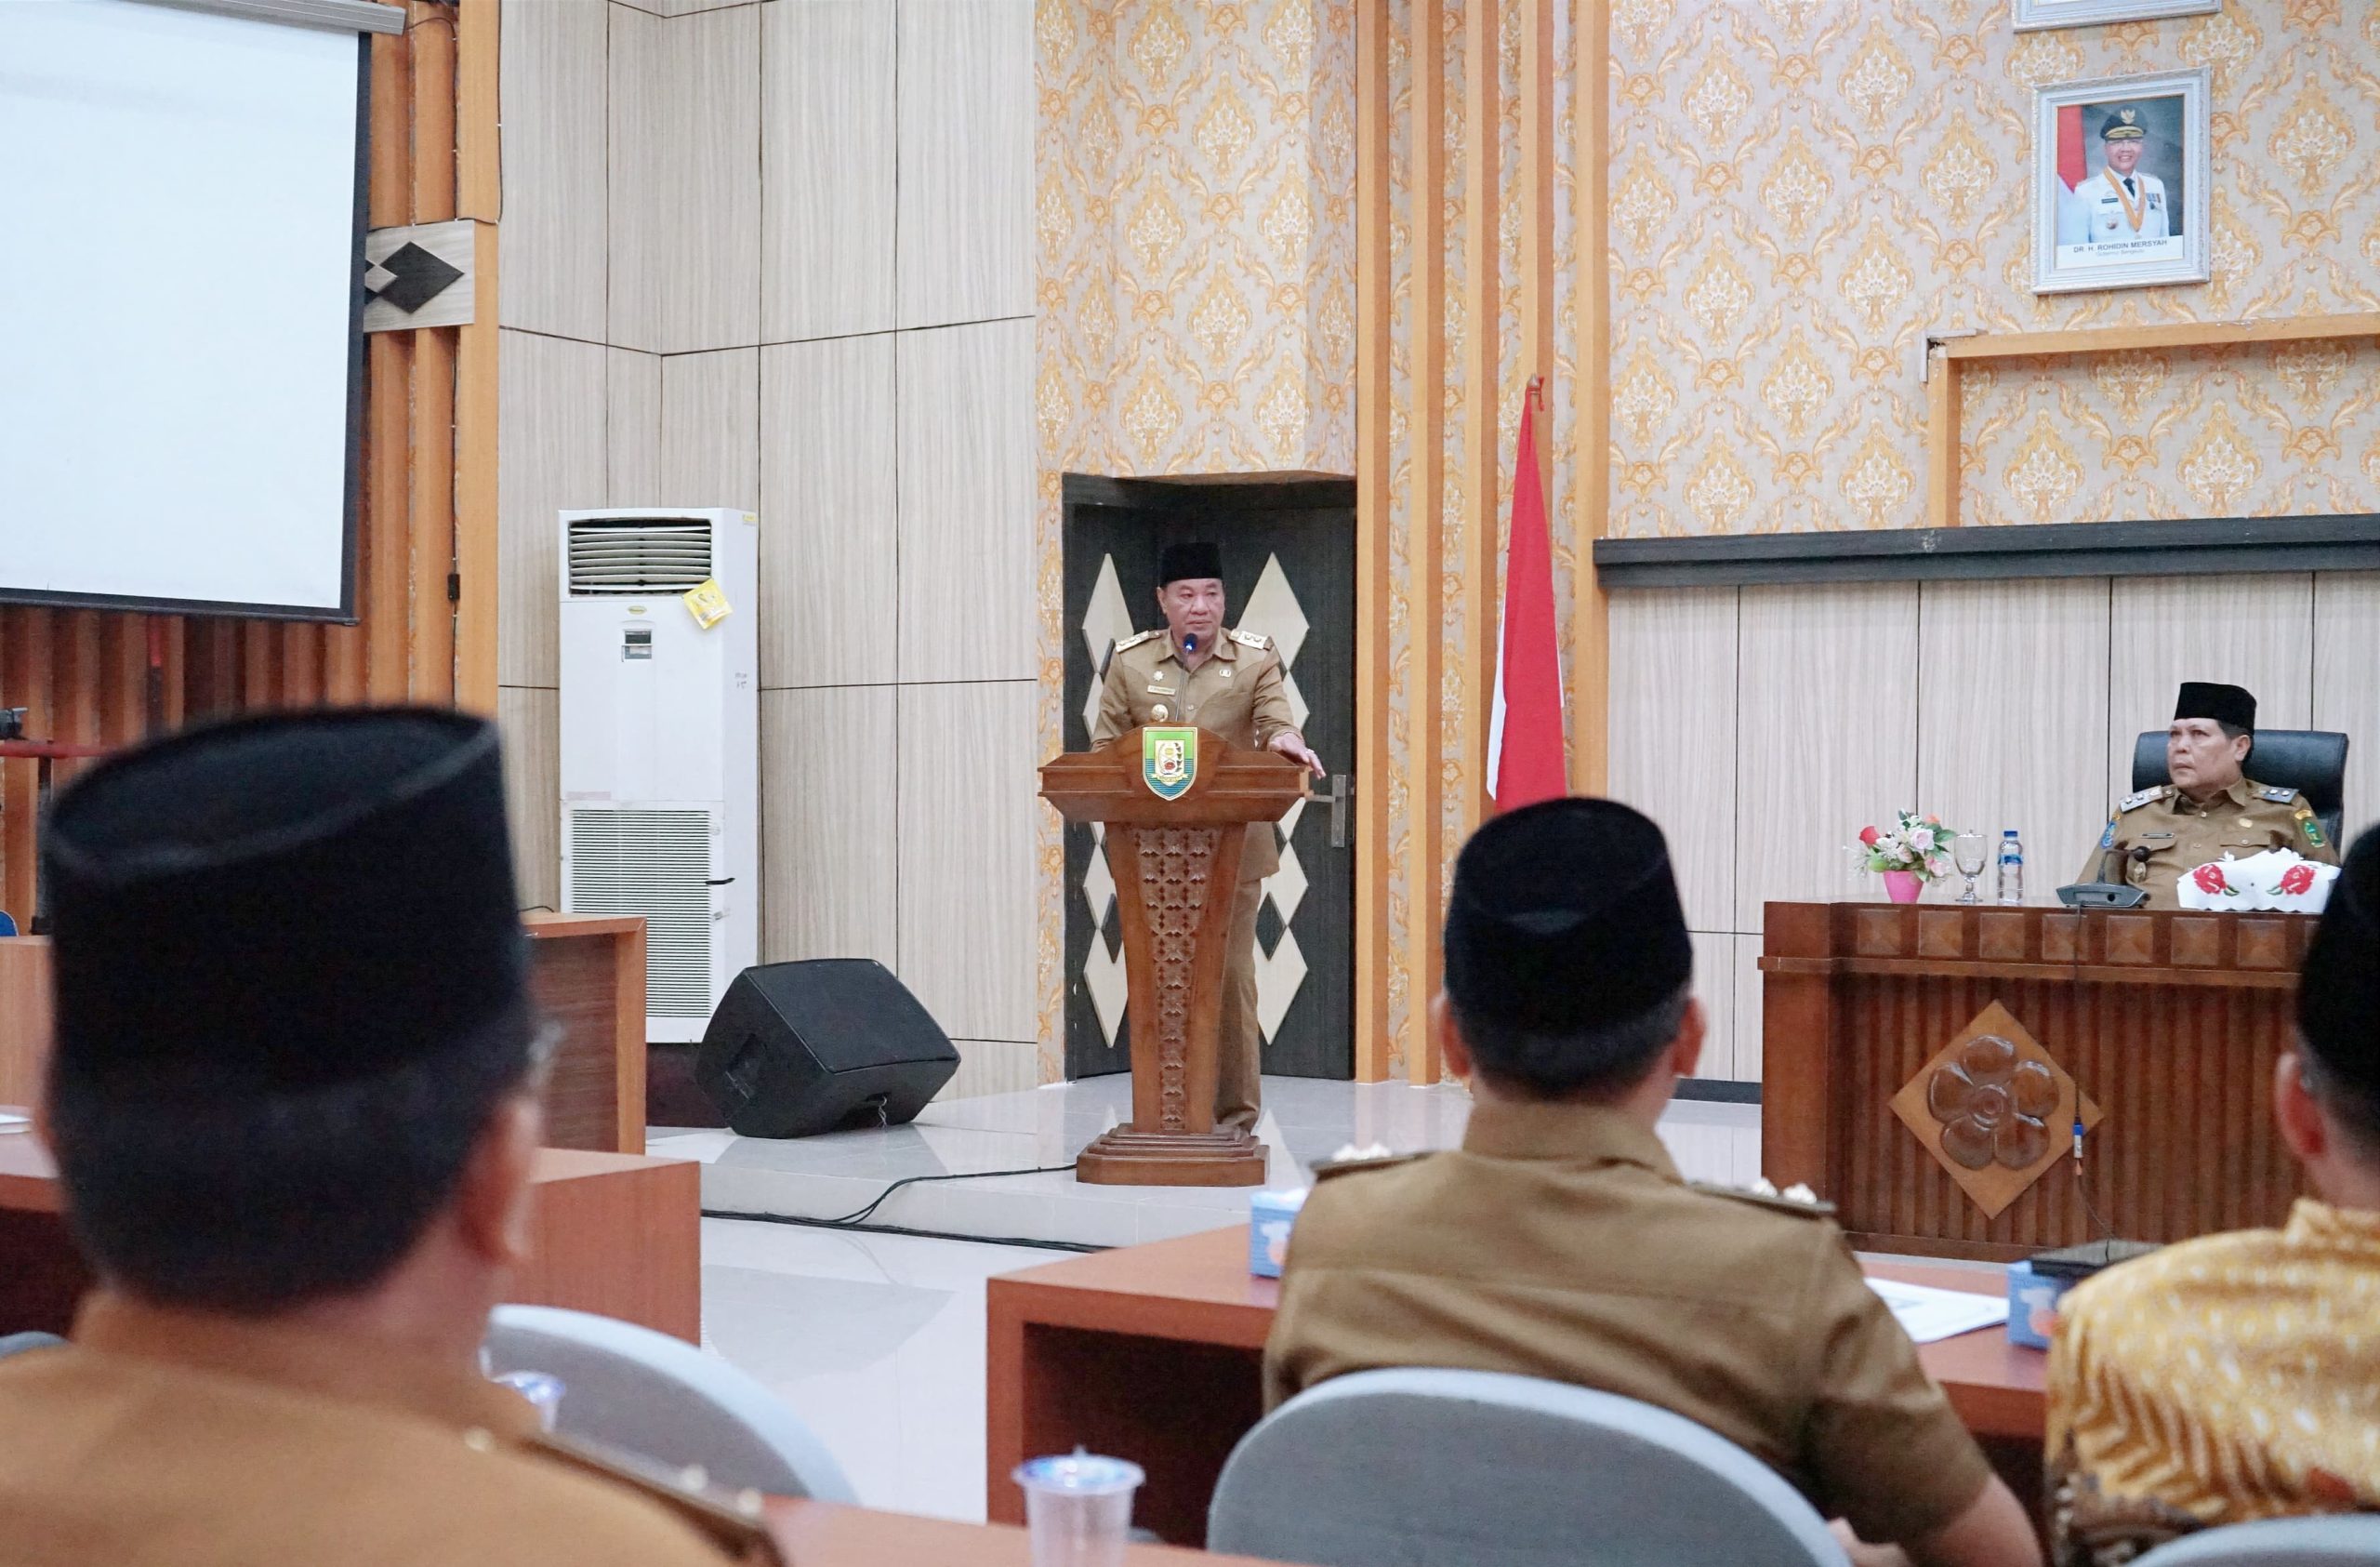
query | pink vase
(1903,886)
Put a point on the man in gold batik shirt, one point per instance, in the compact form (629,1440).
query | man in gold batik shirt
(2212,810)
(1229,682)
(1559,1241)
(293,1099)
(2236,1378)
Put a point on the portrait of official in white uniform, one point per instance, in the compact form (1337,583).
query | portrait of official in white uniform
(2120,183)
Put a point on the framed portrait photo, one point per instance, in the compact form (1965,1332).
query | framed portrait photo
(2119,183)
(2033,15)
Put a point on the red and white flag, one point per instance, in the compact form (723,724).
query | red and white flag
(1525,751)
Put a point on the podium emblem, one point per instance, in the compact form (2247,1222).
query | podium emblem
(1169,761)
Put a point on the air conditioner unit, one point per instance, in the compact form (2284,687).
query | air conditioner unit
(660,744)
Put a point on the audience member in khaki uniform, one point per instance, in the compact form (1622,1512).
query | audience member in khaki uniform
(1559,1241)
(2236,1378)
(294,1102)
(2212,810)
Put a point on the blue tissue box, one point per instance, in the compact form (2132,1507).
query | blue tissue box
(1270,1215)
(2033,1304)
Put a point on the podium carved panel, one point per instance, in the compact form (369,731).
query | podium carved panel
(1175,865)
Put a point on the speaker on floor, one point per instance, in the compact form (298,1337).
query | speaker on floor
(796,1049)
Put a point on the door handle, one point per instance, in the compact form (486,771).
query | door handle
(1343,789)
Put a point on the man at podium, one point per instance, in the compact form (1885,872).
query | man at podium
(1195,672)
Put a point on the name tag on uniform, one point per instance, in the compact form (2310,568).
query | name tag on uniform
(1156,690)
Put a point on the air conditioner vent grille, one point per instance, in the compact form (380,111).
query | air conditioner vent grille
(638,554)
(655,863)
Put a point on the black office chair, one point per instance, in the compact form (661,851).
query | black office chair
(2313,762)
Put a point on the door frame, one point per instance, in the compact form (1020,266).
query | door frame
(1300,490)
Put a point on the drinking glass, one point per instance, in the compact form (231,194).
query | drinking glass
(1966,853)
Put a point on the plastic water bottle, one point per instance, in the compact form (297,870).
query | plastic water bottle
(2012,867)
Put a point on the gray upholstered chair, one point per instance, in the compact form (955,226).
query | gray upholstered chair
(660,1398)
(1381,1468)
(18,1343)
(2282,1542)
(2311,760)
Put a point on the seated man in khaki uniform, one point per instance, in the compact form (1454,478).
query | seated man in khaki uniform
(294,1097)
(1195,672)
(1559,1241)
(2211,810)
(2235,1377)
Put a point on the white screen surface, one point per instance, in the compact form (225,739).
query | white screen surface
(178,250)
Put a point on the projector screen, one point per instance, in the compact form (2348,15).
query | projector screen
(180,358)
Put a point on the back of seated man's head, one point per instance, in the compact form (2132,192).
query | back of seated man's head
(2337,1063)
(1568,971)
(291,996)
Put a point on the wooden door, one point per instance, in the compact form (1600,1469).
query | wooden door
(1288,548)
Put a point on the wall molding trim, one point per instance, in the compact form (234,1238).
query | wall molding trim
(2193,547)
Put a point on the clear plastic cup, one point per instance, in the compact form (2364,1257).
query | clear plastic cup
(1079,1508)
(542,1391)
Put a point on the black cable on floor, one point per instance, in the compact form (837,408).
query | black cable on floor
(857,1218)
(962,1175)
(850,1229)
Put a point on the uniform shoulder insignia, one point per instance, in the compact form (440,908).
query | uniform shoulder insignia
(1795,1199)
(1249,639)
(1348,1161)
(2279,794)
(1136,639)
(732,1520)
(2133,802)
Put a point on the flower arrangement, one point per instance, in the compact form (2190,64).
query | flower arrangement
(1918,845)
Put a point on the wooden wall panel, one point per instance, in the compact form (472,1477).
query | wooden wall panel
(685,180)
(827,169)
(553,409)
(1715,987)
(966,503)
(531,720)
(830,564)
(965,830)
(2257,631)
(710,429)
(2012,726)
(2347,696)
(830,881)
(966,160)
(556,269)
(1672,736)
(1827,741)
(632,428)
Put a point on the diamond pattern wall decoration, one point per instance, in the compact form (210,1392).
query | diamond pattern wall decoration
(1271,610)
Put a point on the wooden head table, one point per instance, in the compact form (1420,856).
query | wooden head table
(2171,1022)
(1155,1353)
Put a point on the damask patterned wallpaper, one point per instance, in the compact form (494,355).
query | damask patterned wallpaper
(1194,220)
(1802,189)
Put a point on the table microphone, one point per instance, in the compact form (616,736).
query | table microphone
(1190,642)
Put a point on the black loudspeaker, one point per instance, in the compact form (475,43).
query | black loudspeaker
(796,1049)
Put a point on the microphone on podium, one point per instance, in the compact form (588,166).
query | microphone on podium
(1189,642)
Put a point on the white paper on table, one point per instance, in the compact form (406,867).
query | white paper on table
(1927,1314)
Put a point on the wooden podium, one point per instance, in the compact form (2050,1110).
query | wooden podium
(1176,863)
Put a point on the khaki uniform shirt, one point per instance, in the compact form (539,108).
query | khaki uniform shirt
(1234,692)
(170,1438)
(1559,1242)
(2244,820)
(2220,1380)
